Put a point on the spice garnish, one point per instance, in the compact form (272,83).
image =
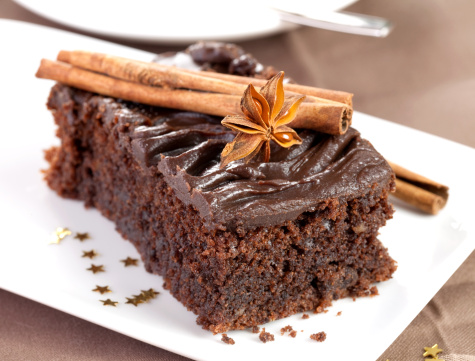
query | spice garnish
(265,115)
(161,85)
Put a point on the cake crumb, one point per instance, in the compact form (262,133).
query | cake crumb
(265,336)
(339,313)
(286,329)
(255,329)
(305,316)
(293,333)
(319,337)
(227,339)
(373,291)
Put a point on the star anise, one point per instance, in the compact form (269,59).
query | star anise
(265,115)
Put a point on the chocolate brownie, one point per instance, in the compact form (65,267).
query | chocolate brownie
(239,246)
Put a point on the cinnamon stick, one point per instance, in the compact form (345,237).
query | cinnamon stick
(326,117)
(419,191)
(334,95)
(321,117)
(147,73)
(209,103)
(156,74)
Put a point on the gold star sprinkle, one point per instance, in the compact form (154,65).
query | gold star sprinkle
(91,254)
(108,302)
(140,298)
(59,234)
(130,262)
(134,301)
(96,269)
(101,289)
(148,295)
(432,351)
(82,236)
(143,297)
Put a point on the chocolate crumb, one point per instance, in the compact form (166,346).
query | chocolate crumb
(293,333)
(227,339)
(319,337)
(305,316)
(339,313)
(255,329)
(286,329)
(265,336)
(373,291)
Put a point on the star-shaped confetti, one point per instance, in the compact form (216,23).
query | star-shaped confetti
(82,236)
(130,262)
(108,302)
(89,254)
(149,294)
(59,234)
(432,351)
(102,289)
(96,269)
(143,297)
(134,301)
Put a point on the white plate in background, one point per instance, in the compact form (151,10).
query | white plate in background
(428,249)
(173,22)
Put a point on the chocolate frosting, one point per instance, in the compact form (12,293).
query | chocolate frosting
(185,147)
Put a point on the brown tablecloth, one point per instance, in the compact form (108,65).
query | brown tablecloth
(422,75)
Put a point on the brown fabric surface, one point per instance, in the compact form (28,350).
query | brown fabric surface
(448,320)
(422,76)
(32,331)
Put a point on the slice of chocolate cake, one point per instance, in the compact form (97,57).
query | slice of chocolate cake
(239,245)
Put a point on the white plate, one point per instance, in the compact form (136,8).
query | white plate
(428,249)
(178,21)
